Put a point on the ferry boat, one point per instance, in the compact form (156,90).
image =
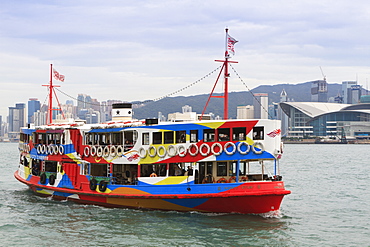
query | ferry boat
(209,166)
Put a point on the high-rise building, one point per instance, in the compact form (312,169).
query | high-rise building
(319,91)
(17,117)
(346,91)
(245,112)
(260,105)
(33,106)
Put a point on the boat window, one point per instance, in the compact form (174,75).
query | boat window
(98,170)
(117,138)
(130,139)
(176,169)
(258,133)
(41,138)
(232,169)
(224,134)
(104,139)
(221,169)
(157,137)
(145,139)
(159,170)
(168,137)
(181,136)
(239,134)
(84,169)
(193,136)
(50,166)
(209,135)
(96,139)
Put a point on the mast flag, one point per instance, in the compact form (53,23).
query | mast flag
(58,76)
(230,45)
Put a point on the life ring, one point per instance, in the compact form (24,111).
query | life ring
(39,147)
(231,179)
(240,148)
(93,184)
(106,151)
(56,149)
(159,151)
(43,178)
(61,150)
(232,145)
(196,149)
(103,185)
(208,149)
(93,151)
(119,150)
(258,145)
(181,150)
(171,150)
(43,149)
(222,180)
(50,149)
(113,151)
(86,151)
(213,148)
(152,154)
(153,175)
(244,179)
(99,151)
(142,152)
(52,179)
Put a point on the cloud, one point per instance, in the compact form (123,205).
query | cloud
(137,50)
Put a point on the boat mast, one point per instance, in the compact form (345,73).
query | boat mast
(225,68)
(50,104)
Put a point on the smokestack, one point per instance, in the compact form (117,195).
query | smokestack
(121,111)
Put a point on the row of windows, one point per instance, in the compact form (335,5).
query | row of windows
(209,135)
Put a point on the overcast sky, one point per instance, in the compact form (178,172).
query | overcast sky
(139,50)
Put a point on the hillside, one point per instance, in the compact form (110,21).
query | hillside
(297,92)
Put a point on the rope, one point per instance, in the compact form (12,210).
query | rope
(153,100)
(250,91)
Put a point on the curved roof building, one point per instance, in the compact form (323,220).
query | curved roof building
(327,119)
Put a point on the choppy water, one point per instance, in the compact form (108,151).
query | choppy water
(329,206)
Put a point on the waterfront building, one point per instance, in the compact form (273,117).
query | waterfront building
(260,105)
(33,106)
(245,112)
(319,91)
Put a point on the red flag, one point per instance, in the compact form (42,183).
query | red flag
(230,45)
(58,76)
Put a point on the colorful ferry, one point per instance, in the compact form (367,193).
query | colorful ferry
(210,166)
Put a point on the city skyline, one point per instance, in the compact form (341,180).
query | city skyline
(143,50)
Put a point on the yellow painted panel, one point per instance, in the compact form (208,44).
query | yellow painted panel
(172,180)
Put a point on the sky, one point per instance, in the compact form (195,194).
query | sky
(142,50)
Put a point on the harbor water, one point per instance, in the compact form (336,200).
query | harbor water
(329,206)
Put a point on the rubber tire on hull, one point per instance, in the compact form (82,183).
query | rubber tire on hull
(43,178)
(52,180)
(103,186)
(93,184)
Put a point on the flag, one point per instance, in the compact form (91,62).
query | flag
(58,76)
(230,46)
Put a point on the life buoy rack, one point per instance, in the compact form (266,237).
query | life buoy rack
(216,144)
(86,151)
(99,151)
(52,179)
(93,151)
(258,145)
(208,149)
(103,185)
(113,151)
(231,179)
(171,150)
(93,184)
(159,151)
(195,147)
(181,151)
(152,154)
(119,150)
(43,178)
(142,152)
(222,180)
(240,148)
(233,148)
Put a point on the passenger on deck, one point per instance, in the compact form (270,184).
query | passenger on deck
(189,172)
(178,171)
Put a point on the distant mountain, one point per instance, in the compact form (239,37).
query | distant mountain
(297,92)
